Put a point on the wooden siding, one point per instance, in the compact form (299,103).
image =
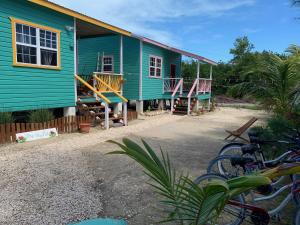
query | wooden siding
(153,87)
(24,88)
(131,61)
(88,49)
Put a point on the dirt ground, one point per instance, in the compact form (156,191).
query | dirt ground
(70,178)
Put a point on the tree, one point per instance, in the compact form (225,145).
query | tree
(242,49)
(274,81)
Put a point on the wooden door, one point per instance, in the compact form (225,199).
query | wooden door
(173,76)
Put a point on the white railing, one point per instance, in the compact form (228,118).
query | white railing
(170,84)
(204,86)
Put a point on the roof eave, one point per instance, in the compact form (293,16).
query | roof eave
(80,16)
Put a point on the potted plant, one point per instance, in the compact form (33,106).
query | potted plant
(84,128)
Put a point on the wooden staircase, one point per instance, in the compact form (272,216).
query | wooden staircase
(96,110)
(181,105)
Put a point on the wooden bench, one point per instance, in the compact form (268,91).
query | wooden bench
(237,133)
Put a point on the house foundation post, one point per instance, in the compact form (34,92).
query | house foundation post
(125,114)
(161,104)
(140,106)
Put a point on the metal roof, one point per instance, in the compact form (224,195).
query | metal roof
(182,52)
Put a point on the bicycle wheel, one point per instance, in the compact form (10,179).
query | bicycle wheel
(223,165)
(297,218)
(232,149)
(231,215)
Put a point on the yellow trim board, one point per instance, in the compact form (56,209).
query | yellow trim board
(14,47)
(109,87)
(92,89)
(80,16)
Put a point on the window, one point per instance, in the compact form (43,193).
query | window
(35,46)
(107,64)
(155,67)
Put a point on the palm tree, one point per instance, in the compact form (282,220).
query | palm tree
(186,202)
(274,81)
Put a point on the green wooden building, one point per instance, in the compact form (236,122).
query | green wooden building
(53,57)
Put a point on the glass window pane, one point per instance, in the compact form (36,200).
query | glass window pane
(48,57)
(107,68)
(48,35)
(26,59)
(42,42)
(33,31)
(19,38)
(158,72)
(33,59)
(54,36)
(26,50)
(152,71)
(42,33)
(19,49)
(19,28)
(54,45)
(20,58)
(26,29)
(32,51)
(48,43)
(26,39)
(33,40)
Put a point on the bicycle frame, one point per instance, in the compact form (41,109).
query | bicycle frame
(272,212)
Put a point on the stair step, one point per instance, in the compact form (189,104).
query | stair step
(180,112)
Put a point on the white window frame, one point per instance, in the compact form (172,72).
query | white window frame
(112,63)
(155,67)
(38,47)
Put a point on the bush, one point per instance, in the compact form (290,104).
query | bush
(40,116)
(6,117)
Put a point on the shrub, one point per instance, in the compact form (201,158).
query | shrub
(40,116)
(6,117)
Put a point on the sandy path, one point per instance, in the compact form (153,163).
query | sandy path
(70,178)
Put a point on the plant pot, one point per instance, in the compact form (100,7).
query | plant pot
(84,128)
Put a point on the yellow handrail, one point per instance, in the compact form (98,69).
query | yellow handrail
(93,89)
(109,87)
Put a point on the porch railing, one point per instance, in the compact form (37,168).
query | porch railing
(204,86)
(170,84)
(112,80)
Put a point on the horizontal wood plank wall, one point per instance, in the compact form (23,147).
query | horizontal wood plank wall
(63,125)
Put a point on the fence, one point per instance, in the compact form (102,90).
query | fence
(68,124)
(63,125)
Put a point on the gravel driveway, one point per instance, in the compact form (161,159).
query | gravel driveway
(69,178)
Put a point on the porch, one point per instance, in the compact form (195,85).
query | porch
(99,76)
(185,93)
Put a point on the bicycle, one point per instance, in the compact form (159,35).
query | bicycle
(240,211)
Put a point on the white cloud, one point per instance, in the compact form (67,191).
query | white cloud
(139,16)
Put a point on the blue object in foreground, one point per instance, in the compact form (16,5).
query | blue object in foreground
(102,222)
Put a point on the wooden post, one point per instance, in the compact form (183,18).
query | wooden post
(189,106)
(172,105)
(106,123)
(125,114)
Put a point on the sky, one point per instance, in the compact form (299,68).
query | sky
(205,27)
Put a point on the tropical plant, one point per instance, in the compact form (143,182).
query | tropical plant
(274,81)
(6,117)
(40,116)
(186,202)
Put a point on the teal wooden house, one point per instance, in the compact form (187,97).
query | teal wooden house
(55,58)
(148,70)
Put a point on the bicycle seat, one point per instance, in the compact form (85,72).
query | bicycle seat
(249,149)
(240,161)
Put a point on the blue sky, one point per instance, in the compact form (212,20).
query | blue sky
(205,27)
